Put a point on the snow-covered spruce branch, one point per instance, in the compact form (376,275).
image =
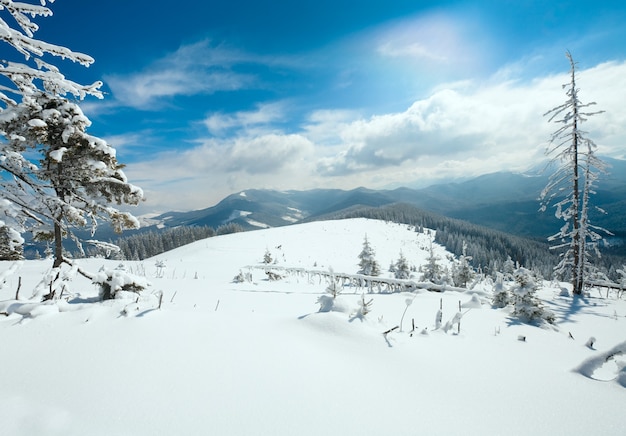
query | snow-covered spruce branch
(23,40)
(26,77)
(20,12)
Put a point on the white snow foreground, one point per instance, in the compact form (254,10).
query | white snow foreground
(258,358)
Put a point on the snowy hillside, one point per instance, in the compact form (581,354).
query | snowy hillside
(258,358)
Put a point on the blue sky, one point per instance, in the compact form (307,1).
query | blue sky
(207,98)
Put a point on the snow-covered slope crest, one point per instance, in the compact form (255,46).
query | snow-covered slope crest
(258,357)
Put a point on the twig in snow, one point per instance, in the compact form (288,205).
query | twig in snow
(391,329)
(19,285)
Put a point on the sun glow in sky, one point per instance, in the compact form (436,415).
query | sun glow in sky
(206,98)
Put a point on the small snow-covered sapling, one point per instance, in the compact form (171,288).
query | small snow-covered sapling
(365,307)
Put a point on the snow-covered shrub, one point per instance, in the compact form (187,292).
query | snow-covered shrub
(160,268)
(240,278)
(456,320)
(267,257)
(55,283)
(334,289)
(501,296)
(116,283)
(273,276)
(526,305)
(364,308)
(327,301)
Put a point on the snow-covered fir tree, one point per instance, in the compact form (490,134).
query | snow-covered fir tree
(402,270)
(622,275)
(61,177)
(368,263)
(56,177)
(526,305)
(578,169)
(11,244)
(508,268)
(432,271)
(501,296)
(462,271)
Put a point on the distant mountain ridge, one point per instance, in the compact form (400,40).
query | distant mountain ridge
(503,201)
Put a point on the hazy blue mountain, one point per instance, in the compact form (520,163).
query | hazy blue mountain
(504,201)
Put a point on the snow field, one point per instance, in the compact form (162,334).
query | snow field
(247,358)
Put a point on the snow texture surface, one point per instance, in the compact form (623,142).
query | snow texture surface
(257,357)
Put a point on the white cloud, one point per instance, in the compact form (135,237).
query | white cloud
(123,141)
(197,177)
(432,41)
(462,130)
(199,68)
(323,127)
(268,154)
(482,125)
(141,90)
(265,114)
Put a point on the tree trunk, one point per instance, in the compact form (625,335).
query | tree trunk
(58,233)
(58,245)
(577,267)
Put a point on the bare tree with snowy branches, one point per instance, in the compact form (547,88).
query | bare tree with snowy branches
(577,171)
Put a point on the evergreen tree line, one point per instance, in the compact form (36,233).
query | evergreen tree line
(488,248)
(150,243)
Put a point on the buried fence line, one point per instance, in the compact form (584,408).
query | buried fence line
(373,284)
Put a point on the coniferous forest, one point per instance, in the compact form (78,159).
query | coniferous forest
(489,248)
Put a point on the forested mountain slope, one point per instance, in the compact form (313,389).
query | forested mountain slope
(503,201)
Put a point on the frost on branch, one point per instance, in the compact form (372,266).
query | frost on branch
(577,171)
(118,283)
(76,177)
(26,78)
